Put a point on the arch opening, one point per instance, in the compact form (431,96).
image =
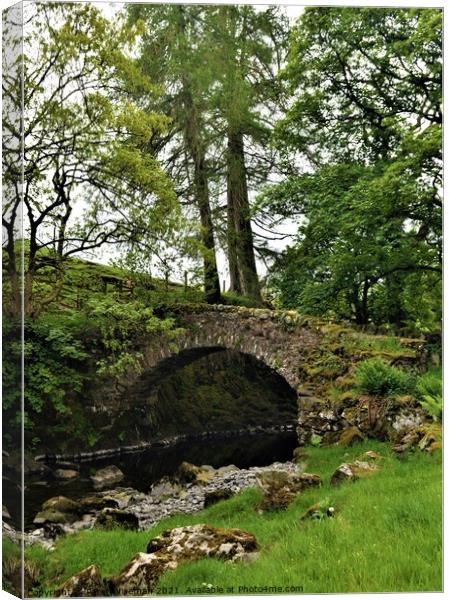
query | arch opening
(213,389)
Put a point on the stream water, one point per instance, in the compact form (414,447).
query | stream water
(144,469)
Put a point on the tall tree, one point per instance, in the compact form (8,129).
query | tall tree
(366,113)
(249,48)
(174,54)
(82,135)
(359,78)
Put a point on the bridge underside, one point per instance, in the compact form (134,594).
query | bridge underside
(152,379)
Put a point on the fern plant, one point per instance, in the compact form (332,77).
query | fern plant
(429,388)
(376,377)
(433,405)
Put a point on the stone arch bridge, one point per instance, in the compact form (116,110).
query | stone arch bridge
(282,340)
(310,354)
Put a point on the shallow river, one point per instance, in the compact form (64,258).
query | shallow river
(144,469)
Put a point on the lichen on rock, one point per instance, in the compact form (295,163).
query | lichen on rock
(179,545)
(281,488)
(86,583)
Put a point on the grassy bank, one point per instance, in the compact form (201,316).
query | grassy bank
(386,535)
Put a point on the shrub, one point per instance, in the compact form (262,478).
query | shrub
(429,388)
(375,376)
(430,383)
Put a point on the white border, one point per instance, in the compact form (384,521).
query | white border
(380,3)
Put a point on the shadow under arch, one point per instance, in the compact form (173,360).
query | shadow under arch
(213,389)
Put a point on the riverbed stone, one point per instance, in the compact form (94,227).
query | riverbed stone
(86,583)
(107,476)
(166,489)
(189,473)
(65,474)
(53,516)
(123,496)
(96,503)
(62,504)
(215,496)
(226,469)
(110,518)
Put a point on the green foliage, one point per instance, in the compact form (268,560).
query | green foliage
(237,300)
(373,537)
(316,440)
(429,388)
(120,326)
(357,83)
(375,376)
(353,258)
(368,246)
(82,194)
(433,405)
(55,370)
(62,353)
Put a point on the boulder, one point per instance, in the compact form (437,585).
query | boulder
(62,504)
(110,518)
(141,575)
(350,435)
(216,496)
(180,545)
(299,455)
(123,496)
(86,583)
(91,504)
(197,541)
(189,473)
(107,476)
(53,516)
(5,513)
(352,471)
(281,487)
(65,474)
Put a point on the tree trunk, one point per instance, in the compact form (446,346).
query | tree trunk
(196,150)
(234,274)
(361,304)
(14,275)
(211,280)
(240,235)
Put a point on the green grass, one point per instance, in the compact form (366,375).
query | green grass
(386,346)
(386,535)
(85,279)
